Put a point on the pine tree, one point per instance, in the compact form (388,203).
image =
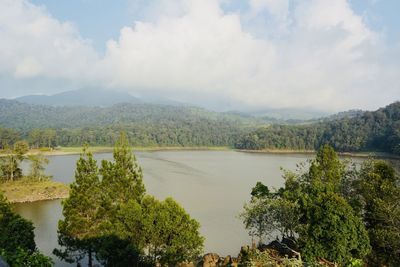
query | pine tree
(123,178)
(81,211)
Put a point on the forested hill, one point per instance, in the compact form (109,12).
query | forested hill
(163,125)
(366,131)
(145,124)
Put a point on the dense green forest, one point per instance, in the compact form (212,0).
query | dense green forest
(368,131)
(163,125)
(145,125)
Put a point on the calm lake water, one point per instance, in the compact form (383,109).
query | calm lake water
(211,185)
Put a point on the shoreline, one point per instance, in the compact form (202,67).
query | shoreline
(376,155)
(95,150)
(29,191)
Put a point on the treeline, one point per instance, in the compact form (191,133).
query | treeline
(161,125)
(332,211)
(144,124)
(179,134)
(369,131)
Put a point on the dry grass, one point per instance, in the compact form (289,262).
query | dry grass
(28,191)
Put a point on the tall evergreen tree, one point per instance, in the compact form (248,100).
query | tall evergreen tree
(123,178)
(81,210)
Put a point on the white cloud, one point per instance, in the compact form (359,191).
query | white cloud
(315,53)
(204,51)
(323,61)
(33,43)
(29,67)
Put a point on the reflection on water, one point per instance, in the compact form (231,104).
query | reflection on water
(211,185)
(45,216)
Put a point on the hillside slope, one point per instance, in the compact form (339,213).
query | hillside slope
(365,131)
(145,124)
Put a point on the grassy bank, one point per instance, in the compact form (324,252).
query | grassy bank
(27,191)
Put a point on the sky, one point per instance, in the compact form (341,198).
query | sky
(328,55)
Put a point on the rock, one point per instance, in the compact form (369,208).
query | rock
(281,248)
(210,260)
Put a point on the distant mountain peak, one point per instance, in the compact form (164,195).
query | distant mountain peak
(95,97)
(84,97)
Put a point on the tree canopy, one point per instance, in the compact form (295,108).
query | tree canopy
(109,217)
(17,243)
(312,210)
(370,131)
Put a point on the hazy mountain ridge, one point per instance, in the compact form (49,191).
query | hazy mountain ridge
(14,114)
(94,97)
(83,97)
(98,97)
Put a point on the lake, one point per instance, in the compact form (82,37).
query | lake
(211,185)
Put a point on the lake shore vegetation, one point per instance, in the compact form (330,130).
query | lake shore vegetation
(17,239)
(332,211)
(33,186)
